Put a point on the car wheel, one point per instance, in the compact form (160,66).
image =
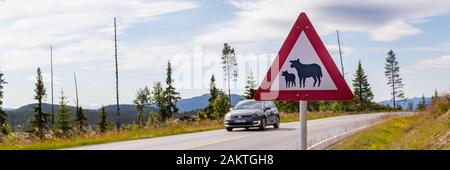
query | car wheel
(262,126)
(277,123)
(229,129)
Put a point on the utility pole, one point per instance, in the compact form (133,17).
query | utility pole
(340,54)
(229,77)
(117,75)
(51,81)
(76,90)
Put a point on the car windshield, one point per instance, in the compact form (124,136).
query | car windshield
(248,105)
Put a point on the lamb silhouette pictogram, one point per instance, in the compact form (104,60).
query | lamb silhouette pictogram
(290,79)
(307,70)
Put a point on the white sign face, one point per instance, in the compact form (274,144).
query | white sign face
(303,69)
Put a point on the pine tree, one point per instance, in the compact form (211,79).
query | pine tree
(229,66)
(250,87)
(421,105)
(221,105)
(171,95)
(208,112)
(63,124)
(80,120)
(392,74)
(103,124)
(362,90)
(40,119)
(159,99)
(435,96)
(142,99)
(410,105)
(4,127)
(213,91)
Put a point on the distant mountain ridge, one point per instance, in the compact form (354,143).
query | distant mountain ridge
(404,103)
(201,102)
(7,109)
(19,118)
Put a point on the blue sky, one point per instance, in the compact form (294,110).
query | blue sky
(191,33)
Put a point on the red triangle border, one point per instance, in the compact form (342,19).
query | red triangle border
(343,91)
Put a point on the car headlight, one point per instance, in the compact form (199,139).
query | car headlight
(227,116)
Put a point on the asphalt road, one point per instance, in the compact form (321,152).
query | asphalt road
(284,138)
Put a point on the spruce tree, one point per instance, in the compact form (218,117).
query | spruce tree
(362,90)
(63,124)
(159,99)
(141,100)
(410,105)
(221,105)
(435,96)
(250,87)
(421,105)
(102,123)
(229,66)
(80,120)
(40,119)
(213,91)
(171,95)
(4,127)
(208,112)
(392,74)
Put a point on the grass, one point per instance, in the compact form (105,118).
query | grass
(293,117)
(379,137)
(23,141)
(110,136)
(427,130)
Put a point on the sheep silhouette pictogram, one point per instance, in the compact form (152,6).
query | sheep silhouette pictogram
(290,79)
(307,70)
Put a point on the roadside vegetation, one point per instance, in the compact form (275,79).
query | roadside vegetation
(428,129)
(107,133)
(71,127)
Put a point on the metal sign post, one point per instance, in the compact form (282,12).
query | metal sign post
(303,126)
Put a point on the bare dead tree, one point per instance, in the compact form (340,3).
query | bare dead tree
(117,75)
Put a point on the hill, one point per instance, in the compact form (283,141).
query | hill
(404,103)
(201,102)
(19,118)
(7,109)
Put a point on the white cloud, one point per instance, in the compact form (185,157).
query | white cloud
(46,78)
(334,50)
(80,30)
(393,31)
(444,47)
(267,20)
(438,63)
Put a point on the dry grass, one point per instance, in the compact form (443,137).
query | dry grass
(22,141)
(426,130)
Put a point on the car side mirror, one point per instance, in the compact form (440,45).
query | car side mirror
(266,109)
(231,109)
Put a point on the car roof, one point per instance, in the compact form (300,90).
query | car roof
(247,100)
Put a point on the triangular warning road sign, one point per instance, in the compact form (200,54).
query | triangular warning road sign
(303,69)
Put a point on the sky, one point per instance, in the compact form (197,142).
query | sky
(190,34)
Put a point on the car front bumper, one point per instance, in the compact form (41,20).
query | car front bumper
(243,123)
